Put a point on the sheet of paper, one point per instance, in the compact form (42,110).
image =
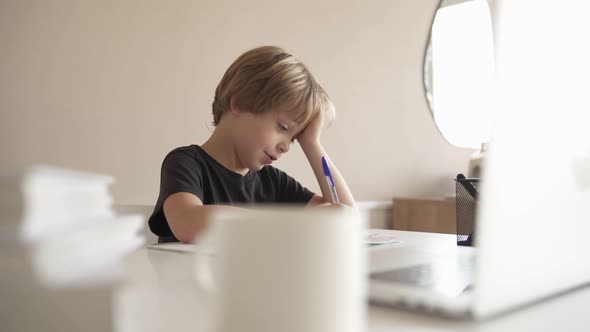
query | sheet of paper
(372,237)
(175,246)
(375,237)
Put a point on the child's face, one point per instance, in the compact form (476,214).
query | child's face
(264,138)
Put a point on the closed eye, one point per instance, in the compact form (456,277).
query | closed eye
(283,128)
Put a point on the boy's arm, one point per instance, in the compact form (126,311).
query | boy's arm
(314,156)
(187,216)
(309,140)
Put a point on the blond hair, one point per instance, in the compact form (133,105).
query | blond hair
(268,78)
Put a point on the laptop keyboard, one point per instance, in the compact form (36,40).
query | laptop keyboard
(449,277)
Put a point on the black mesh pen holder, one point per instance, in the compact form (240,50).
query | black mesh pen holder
(467,194)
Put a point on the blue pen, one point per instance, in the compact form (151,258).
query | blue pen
(330,181)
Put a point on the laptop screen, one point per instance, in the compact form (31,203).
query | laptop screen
(534,217)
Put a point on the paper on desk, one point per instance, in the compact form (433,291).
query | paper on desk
(179,247)
(375,237)
(372,237)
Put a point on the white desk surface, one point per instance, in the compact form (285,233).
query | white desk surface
(162,295)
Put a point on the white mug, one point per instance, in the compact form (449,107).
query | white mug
(285,269)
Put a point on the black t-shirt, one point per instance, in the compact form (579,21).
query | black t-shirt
(190,169)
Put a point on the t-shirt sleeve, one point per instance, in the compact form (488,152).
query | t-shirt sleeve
(180,173)
(291,191)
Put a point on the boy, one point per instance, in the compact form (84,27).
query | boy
(266,100)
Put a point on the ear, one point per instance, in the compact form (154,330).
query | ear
(232,106)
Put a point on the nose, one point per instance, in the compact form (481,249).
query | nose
(283,147)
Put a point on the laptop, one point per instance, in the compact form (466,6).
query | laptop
(533,219)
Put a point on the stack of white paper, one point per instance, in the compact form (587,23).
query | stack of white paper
(65,223)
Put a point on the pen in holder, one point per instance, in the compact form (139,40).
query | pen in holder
(466,203)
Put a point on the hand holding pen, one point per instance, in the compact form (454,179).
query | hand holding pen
(330,181)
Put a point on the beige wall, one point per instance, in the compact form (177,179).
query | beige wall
(112,86)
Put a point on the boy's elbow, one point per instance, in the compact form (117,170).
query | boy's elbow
(188,234)
(185,238)
(186,216)
(185,241)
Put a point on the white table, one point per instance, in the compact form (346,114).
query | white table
(162,295)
